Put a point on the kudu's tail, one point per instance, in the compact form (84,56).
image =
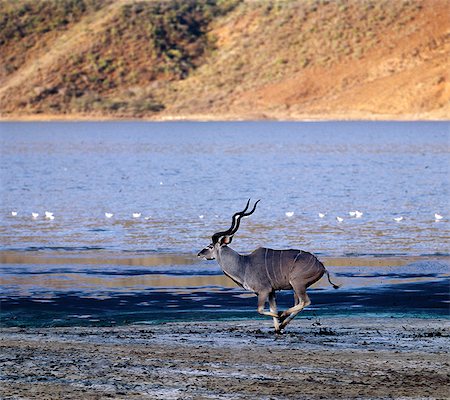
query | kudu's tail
(329,280)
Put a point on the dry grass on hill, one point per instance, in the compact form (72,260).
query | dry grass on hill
(226,59)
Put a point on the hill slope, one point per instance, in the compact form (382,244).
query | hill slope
(225,59)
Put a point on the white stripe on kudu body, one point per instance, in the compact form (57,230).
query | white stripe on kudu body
(265,271)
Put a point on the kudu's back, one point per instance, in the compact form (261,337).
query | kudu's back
(282,269)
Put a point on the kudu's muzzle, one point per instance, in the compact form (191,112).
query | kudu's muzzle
(205,253)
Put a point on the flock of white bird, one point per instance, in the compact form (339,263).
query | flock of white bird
(134,215)
(289,214)
(359,214)
(47,215)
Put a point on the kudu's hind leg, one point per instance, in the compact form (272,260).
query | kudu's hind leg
(303,301)
(273,309)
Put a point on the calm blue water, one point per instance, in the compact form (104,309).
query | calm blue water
(187,179)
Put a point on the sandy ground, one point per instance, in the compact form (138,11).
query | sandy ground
(334,358)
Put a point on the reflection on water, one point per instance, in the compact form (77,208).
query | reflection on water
(32,275)
(102,258)
(51,291)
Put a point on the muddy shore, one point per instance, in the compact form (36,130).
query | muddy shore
(344,358)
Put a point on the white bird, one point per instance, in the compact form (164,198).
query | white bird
(289,214)
(14,213)
(137,215)
(201,216)
(339,219)
(398,219)
(108,215)
(147,218)
(438,217)
(358,214)
(321,215)
(35,215)
(48,215)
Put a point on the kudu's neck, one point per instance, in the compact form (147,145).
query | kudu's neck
(232,263)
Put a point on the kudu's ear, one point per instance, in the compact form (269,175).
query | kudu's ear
(224,240)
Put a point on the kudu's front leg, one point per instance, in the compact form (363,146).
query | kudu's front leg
(273,309)
(262,297)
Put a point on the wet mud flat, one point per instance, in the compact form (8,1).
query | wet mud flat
(334,358)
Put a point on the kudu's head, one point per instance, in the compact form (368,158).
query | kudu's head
(224,238)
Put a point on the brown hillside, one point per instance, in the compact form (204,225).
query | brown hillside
(226,59)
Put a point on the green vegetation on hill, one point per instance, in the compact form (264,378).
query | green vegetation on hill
(24,23)
(143,43)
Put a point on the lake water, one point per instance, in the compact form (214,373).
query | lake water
(187,179)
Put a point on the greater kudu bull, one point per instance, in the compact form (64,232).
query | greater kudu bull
(265,271)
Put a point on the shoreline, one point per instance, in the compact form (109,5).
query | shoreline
(330,357)
(258,117)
